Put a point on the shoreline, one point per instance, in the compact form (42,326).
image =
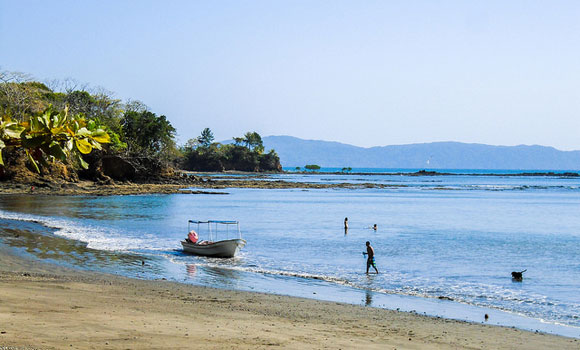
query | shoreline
(203,181)
(435,307)
(77,274)
(89,188)
(51,307)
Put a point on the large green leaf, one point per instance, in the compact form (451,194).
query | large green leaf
(101,136)
(53,135)
(56,131)
(74,126)
(42,160)
(35,125)
(83,132)
(2,146)
(61,120)
(95,144)
(69,145)
(56,151)
(32,161)
(45,120)
(36,141)
(82,162)
(83,146)
(13,130)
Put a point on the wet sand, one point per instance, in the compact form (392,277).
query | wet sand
(49,307)
(44,306)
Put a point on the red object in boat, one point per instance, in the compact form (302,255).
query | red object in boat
(192,235)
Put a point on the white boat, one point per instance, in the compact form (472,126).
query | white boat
(225,248)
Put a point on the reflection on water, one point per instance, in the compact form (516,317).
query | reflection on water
(368,298)
(210,274)
(37,240)
(86,207)
(431,243)
(222,274)
(191,270)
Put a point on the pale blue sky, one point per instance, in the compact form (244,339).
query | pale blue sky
(366,73)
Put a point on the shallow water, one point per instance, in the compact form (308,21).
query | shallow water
(431,243)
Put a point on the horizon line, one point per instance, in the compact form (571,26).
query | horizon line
(426,143)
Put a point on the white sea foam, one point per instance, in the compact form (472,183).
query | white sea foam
(96,237)
(466,293)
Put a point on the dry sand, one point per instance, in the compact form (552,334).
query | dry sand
(48,307)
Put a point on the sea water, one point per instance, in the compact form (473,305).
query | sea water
(445,245)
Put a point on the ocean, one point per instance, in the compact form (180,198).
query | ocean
(445,245)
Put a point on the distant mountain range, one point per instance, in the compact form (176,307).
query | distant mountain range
(437,155)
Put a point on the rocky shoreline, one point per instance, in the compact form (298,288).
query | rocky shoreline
(198,186)
(198,183)
(88,188)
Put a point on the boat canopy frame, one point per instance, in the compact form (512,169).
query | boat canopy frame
(215,223)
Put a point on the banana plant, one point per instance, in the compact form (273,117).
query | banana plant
(10,132)
(55,135)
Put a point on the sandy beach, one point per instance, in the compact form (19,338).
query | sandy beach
(50,307)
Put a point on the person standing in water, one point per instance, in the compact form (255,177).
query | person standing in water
(346,223)
(370,257)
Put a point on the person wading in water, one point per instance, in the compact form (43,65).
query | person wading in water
(370,257)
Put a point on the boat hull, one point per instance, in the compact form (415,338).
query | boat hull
(220,249)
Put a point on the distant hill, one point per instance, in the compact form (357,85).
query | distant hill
(437,155)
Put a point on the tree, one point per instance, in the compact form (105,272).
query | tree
(136,106)
(270,161)
(206,138)
(99,105)
(20,96)
(146,132)
(245,154)
(312,167)
(253,142)
(238,141)
(191,145)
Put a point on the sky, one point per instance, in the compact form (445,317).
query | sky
(367,73)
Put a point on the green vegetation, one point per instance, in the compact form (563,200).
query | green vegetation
(146,133)
(312,167)
(52,135)
(346,169)
(245,154)
(206,137)
(66,123)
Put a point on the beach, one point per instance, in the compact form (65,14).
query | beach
(82,269)
(210,175)
(49,307)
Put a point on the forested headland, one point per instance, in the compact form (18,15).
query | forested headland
(64,130)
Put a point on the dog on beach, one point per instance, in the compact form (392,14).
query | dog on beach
(518,276)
